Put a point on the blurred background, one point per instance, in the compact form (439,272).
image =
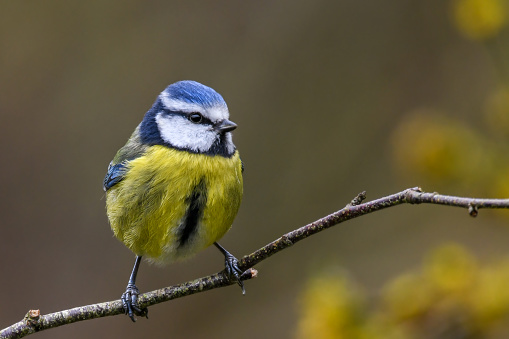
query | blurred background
(331,98)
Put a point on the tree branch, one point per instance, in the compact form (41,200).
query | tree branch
(34,322)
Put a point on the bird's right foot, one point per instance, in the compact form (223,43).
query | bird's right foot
(130,303)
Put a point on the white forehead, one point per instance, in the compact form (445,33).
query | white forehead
(216,112)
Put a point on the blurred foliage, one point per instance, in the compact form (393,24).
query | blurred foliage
(480,19)
(331,306)
(451,296)
(444,153)
(440,150)
(496,112)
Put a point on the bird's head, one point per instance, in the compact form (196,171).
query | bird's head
(192,117)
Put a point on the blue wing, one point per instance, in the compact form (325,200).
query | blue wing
(116,174)
(117,169)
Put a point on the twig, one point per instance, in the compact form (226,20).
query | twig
(34,322)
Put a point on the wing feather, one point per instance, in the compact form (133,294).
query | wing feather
(117,169)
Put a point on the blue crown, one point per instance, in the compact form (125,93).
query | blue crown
(195,93)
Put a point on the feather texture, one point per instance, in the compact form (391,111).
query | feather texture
(163,191)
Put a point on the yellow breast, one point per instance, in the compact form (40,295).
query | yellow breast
(172,204)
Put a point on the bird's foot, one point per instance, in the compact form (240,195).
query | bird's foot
(130,303)
(232,270)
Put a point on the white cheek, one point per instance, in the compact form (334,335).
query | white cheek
(181,133)
(229,143)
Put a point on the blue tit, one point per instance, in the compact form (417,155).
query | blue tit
(175,187)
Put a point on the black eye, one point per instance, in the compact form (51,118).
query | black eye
(195,117)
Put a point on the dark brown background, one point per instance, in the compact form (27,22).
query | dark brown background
(317,89)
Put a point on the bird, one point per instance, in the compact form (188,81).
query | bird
(176,186)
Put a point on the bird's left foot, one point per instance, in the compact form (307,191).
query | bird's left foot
(232,270)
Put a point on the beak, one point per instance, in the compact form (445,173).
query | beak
(226,126)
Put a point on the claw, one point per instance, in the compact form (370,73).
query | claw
(130,296)
(233,271)
(130,303)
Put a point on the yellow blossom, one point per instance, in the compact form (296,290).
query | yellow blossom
(451,296)
(496,111)
(489,299)
(426,144)
(407,296)
(330,309)
(479,19)
(451,268)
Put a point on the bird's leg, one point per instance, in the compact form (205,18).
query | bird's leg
(130,296)
(232,270)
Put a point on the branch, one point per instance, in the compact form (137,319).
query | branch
(34,322)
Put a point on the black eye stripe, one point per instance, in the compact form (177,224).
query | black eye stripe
(204,120)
